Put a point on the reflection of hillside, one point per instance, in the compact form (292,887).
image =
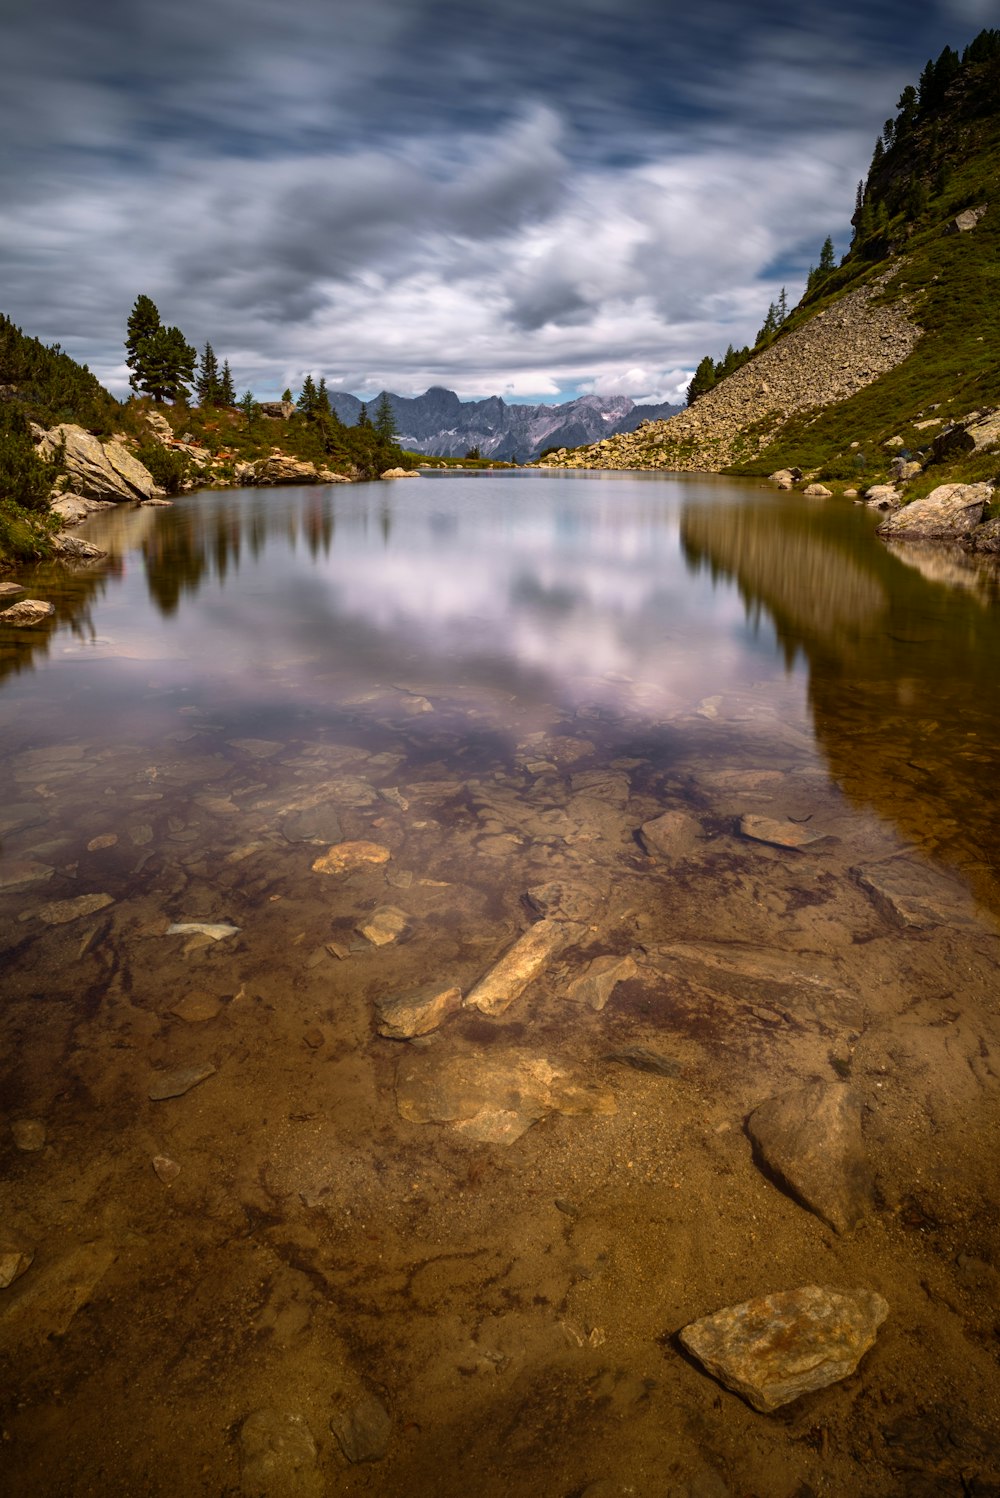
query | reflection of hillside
(71,590)
(902,666)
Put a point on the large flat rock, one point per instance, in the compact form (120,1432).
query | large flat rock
(949,512)
(810,1139)
(914,895)
(493,1096)
(777,1347)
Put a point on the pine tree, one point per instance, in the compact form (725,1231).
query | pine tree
(364,420)
(286,397)
(385,422)
(782,306)
(249,407)
(208,384)
(227,390)
(704,379)
(322,398)
(308,397)
(827,258)
(161,359)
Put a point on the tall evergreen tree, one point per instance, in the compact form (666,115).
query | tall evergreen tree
(227,389)
(208,383)
(143,323)
(161,359)
(385,422)
(827,258)
(249,407)
(308,397)
(704,379)
(364,420)
(323,398)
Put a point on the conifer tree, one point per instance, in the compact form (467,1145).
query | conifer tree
(308,397)
(208,384)
(227,390)
(322,398)
(704,379)
(249,407)
(364,420)
(385,422)
(161,359)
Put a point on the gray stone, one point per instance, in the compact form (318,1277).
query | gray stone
(317,824)
(569,900)
(673,835)
(98,470)
(883,497)
(986,537)
(177,1083)
(363,1430)
(76,549)
(777,1347)
(779,834)
(965,221)
(493,1096)
(810,1139)
(817,491)
(401,1017)
(602,977)
(27,613)
(278,1457)
(948,513)
(509,977)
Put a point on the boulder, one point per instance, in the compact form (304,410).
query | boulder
(27,613)
(904,469)
(673,835)
(72,508)
(159,427)
(949,513)
(279,468)
(966,221)
(402,1016)
(817,491)
(603,975)
(783,477)
(777,1347)
(977,433)
(76,548)
(883,497)
(97,470)
(400,473)
(278,410)
(810,1139)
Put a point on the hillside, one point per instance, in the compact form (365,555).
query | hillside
(439,424)
(895,344)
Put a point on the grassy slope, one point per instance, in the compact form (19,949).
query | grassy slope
(952,283)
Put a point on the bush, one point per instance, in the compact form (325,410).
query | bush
(168,467)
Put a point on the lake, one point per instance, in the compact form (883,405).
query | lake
(408,892)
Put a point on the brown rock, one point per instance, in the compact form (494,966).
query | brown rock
(385,924)
(177,1083)
(602,977)
(779,834)
(27,613)
(29,1134)
(193,1008)
(509,977)
(948,513)
(61,912)
(777,1347)
(400,1017)
(673,835)
(343,858)
(811,1140)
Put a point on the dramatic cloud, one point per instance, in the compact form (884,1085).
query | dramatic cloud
(512,198)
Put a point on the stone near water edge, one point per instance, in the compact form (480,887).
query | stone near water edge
(402,1016)
(13,1263)
(509,977)
(949,512)
(673,835)
(778,834)
(817,491)
(915,897)
(602,976)
(103,840)
(494,1096)
(777,1347)
(343,858)
(29,1134)
(385,924)
(810,1138)
(61,912)
(278,1457)
(194,1008)
(28,613)
(177,1083)
(168,1170)
(363,1429)
(883,497)
(76,549)
(10,590)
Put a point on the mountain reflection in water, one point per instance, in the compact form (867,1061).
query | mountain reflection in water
(901,647)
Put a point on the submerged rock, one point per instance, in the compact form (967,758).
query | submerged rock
(493,1096)
(61,912)
(342,858)
(913,896)
(672,835)
(216,930)
(385,924)
(570,900)
(641,1058)
(778,834)
(509,977)
(811,1140)
(278,1457)
(29,1134)
(402,1016)
(177,1083)
(363,1429)
(602,977)
(777,1347)
(13,1263)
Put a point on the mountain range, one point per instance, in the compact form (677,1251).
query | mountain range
(439,424)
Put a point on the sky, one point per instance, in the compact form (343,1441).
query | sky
(537,199)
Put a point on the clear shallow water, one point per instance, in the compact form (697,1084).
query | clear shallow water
(523,603)
(499,681)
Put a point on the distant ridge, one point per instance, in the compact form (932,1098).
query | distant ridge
(438,423)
